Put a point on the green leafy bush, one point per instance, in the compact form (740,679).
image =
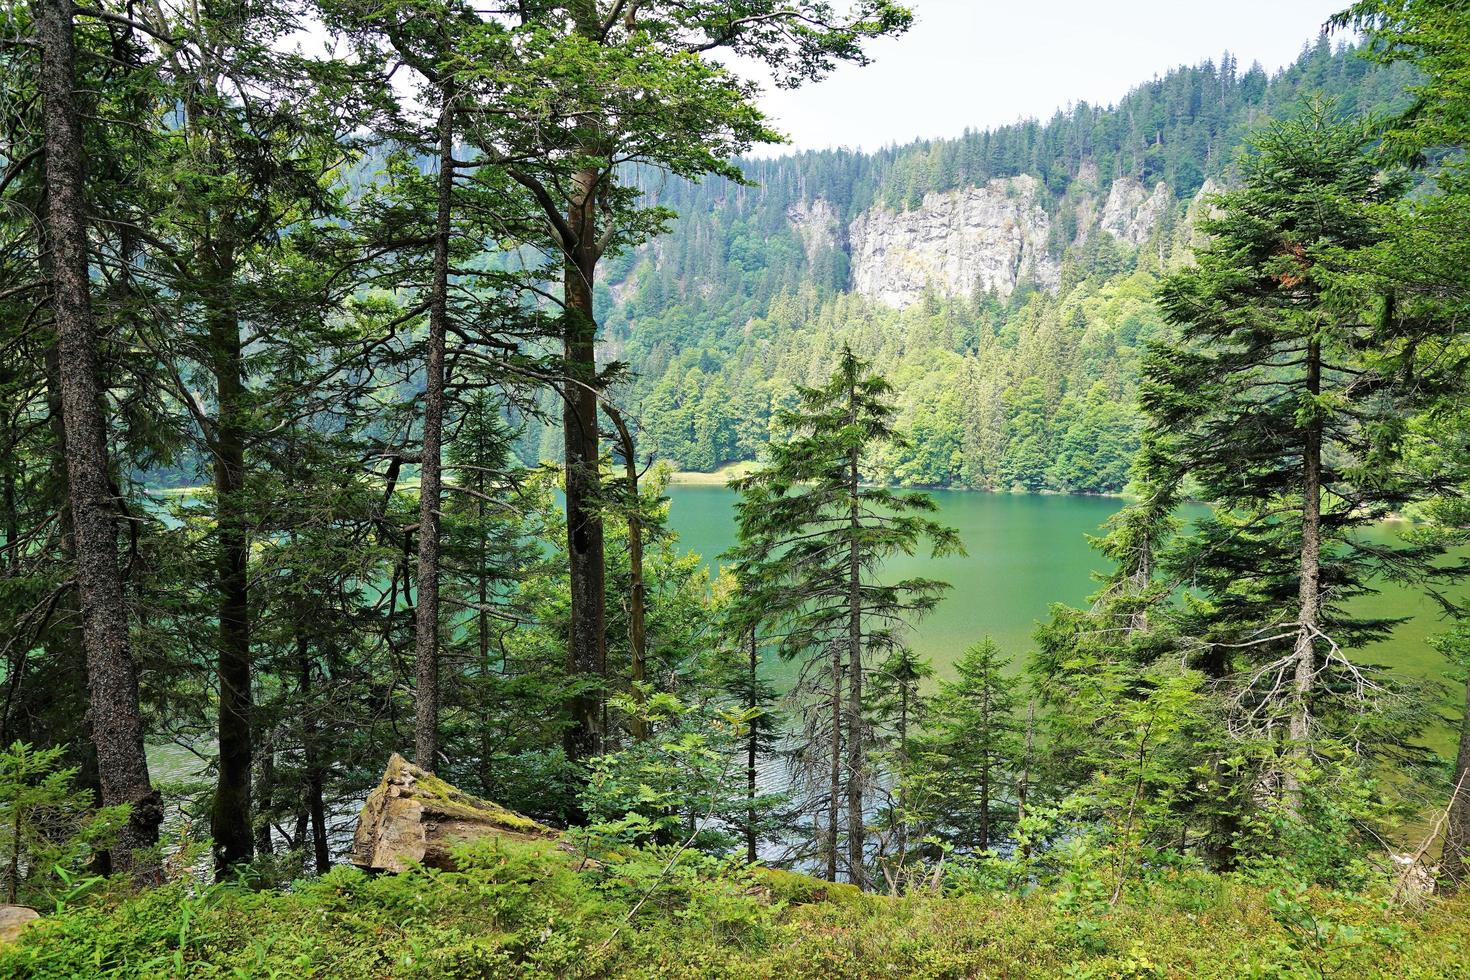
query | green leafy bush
(532,910)
(49,830)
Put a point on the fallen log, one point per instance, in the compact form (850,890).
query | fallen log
(414,817)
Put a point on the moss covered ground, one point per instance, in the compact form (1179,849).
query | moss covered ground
(516,909)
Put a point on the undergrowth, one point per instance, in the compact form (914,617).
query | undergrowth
(515,909)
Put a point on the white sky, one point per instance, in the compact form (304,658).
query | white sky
(985,63)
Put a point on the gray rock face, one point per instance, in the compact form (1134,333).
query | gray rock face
(992,236)
(1131,213)
(815,223)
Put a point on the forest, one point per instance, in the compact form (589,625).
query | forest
(1032,390)
(349,354)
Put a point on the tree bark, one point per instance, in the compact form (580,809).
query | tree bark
(834,794)
(855,836)
(426,610)
(315,808)
(752,745)
(637,597)
(903,764)
(265,793)
(117,726)
(1309,588)
(230,815)
(67,647)
(1023,778)
(985,769)
(1456,856)
(586,649)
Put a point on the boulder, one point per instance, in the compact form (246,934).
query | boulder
(13,921)
(414,817)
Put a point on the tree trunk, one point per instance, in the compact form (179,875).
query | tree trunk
(1309,588)
(486,765)
(230,815)
(637,598)
(752,745)
(989,737)
(265,793)
(855,836)
(586,650)
(315,808)
(1456,857)
(117,726)
(12,518)
(66,647)
(834,794)
(903,765)
(1023,778)
(426,610)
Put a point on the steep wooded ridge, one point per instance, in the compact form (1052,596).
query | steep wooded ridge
(1002,280)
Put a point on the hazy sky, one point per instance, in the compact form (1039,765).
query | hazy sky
(983,63)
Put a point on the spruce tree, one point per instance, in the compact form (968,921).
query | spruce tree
(900,711)
(1424,264)
(1281,399)
(813,536)
(112,679)
(971,751)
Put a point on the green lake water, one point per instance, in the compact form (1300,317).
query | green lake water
(1025,552)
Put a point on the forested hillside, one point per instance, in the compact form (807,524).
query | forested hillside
(339,292)
(1008,378)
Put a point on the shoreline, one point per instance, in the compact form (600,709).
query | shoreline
(722,476)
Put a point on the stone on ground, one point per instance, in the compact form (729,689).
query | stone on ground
(414,817)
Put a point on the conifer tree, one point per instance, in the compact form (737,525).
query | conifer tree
(598,85)
(1281,399)
(813,536)
(902,707)
(250,142)
(972,750)
(116,721)
(1424,264)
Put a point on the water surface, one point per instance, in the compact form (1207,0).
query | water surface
(1025,552)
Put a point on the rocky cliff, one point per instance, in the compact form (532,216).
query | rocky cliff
(993,236)
(1131,213)
(989,236)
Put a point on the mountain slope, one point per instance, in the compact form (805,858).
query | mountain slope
(1002,280)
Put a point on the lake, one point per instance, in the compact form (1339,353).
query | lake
(1025,552)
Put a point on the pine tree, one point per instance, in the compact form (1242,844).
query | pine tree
(1281,400)
(812,536)
(971,751)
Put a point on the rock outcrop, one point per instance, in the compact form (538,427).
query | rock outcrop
(816,224)
(1131,213)
(14,920)
(413,817)
(991,236)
